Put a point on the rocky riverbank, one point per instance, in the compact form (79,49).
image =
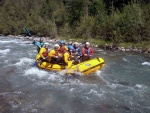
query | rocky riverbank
(106,46)
(135,49)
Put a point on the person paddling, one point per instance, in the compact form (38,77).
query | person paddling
(39,44)
(54,55)
(42,55)
(63,48)
(77,52)
(67,57)
(87,52)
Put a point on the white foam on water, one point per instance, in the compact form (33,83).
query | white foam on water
(141,86)
(124,59)
(23,44)
(72,90)
(114,86)
(5,42)
(43,74)
(100,50)
(5,51)
(101,76)
(138,89)
(103,53)
(28,42)
(63,72)
(85,97)
(98,73)
(146,63)
(6,61)
(35,71)
(54,76)
(94,92)
(15,92)
(23,61)
(11,41)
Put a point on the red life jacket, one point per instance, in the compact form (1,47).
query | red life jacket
(45,54)
(87,51)
(56,53)
(62,50)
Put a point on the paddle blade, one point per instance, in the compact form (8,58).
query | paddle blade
(28,32)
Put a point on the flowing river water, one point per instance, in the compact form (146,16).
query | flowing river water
(122,86)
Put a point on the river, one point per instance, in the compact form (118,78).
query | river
(122,86)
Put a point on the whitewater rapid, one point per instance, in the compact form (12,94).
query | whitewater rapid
(122,86)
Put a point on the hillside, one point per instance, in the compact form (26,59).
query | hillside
(117,21)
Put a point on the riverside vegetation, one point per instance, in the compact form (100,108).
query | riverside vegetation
(118,22)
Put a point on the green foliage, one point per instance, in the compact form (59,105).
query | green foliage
(85,27)
(115,21)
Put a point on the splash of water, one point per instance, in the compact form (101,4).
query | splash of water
(146,63)
(11,41)
(5,51)
(49,77)
(35,71)
(23,61)
(124,59)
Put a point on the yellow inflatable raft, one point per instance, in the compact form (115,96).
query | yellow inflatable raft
(85,68)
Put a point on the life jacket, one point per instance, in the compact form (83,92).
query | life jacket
(77,51)
(56,53)
(87,51)
(62,50)
(45,54)
(42,44)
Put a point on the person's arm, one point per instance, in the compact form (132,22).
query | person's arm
(52,54)
(34,42)
(79,52)
(41,51)
(37,44)
(66,48)
(83,51)
(59,54)
(91,51)
(42,44)
(69,63)
(66,55)
(37,57)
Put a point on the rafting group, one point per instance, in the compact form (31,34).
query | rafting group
(62,53)
(66,56)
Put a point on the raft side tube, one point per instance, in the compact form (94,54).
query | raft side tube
(86,67)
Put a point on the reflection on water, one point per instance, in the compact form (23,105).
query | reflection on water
(122,86)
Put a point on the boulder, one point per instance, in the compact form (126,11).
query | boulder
(148,50)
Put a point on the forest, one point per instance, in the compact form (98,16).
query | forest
(109,20)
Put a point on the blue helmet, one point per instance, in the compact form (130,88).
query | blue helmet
(70,48)
(62,42)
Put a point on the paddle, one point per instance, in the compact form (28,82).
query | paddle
(28,32)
